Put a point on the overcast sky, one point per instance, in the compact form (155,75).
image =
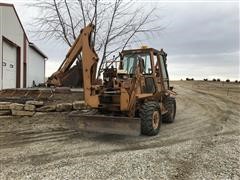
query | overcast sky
(200,37)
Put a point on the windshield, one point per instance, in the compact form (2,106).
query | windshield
(130,62)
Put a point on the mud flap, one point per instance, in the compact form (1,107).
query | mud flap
(106,124)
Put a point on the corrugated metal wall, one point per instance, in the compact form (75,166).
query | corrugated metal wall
(36,66)
(11,29)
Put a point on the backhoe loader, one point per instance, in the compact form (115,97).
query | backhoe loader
(133,97)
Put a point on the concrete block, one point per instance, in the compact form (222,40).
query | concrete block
(79,105)
(64,107)
(47,108)
(29,107)
(5,112)
(5,105)
(35,103)
(22,113)
(16,106)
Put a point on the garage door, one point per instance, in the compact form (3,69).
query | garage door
(9,65)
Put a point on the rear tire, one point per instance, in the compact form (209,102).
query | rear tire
(170,105)
(150,115)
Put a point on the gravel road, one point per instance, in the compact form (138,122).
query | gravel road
(203,143)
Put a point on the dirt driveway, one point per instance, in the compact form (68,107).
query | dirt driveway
(204,142)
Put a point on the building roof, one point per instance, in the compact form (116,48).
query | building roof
(11,5)
(30,43)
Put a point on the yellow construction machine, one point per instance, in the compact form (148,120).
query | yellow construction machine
(133,97)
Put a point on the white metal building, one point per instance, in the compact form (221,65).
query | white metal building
(21,62)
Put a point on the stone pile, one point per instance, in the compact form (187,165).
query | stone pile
(31,107)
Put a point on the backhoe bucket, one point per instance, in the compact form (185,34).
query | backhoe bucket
(106,124)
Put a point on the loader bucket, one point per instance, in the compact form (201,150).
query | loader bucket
(106,124)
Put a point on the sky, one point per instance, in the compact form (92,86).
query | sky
(200,37)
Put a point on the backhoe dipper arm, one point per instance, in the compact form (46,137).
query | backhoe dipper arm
(71,56)
(82,47)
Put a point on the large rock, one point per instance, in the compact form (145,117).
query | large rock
(79,105)
(22,113)
(35,103)
(5,105)
(29,107)
(40,114)
(64,107)
(47,108)
(5,112)
(65,90)
(16,106)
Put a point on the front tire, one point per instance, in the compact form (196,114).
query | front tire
(150,115)
(170,105)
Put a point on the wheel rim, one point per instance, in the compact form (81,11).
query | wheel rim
(155,119)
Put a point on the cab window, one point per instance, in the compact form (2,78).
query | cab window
(131,61)
(156,65)
(163,68)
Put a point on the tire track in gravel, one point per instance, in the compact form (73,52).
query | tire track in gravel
(223,117)
(195,118)
(21,139)
(44,142)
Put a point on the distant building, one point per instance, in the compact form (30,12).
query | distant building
(21,62)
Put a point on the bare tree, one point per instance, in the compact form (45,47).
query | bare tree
(118,23)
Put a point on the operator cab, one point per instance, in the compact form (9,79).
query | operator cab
(131,61)
(152,65)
